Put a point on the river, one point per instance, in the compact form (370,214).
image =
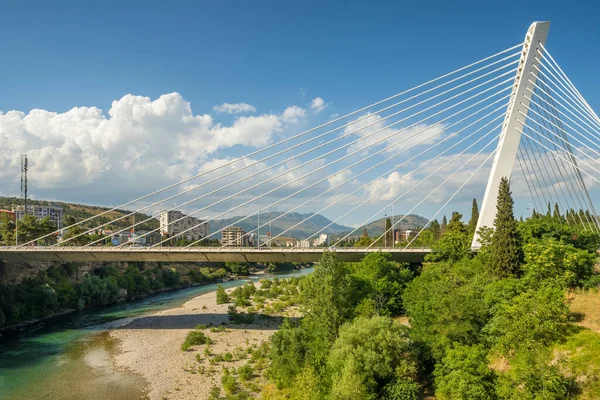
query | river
(70,356)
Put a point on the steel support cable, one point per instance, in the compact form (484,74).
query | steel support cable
(405,193)
(556,67)
(382,175)
(354,177)
(281,142)
(563,139)
(566,83)
(526,174)
(434,190)
(337,172)
(569,109)
(325,144)
(575,165)
(566,143)
(575,103)
(196,187)
(565,133)
(527,146)
(535,176)
(340,159)
(564,180)
(577,158)
(549,183)
(566,116)
(555,181)
(346,145)
(451,197)
(576,172)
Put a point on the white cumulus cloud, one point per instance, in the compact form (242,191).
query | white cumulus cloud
(236,108)
(139,145)
(318,104)
(293,114)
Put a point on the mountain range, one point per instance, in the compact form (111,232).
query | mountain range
(303,230)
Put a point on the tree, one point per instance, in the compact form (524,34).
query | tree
(561,263)
(452,246)
(364,241)
(446,304)
(505,251)
(369,355)
(536,317)
(222,296)
(383,282)
(435,229)
(327,299)
(444,225)
(464,374)
(389,233)
(474,217)
(556,215)
(456,224)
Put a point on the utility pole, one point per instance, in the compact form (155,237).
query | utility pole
(24,181)
(270,230)
(258,232)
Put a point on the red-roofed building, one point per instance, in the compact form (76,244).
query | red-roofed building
(10,214)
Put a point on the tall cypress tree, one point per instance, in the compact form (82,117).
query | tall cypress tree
(435,229)
(556,214)
(505,251)
(444,225)
(389,233)
(474,217)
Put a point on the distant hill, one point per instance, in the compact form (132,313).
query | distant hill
(376,228)
(84,211)
(277,226)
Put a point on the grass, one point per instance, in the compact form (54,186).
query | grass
(581,352)
(585,307)
(195,338)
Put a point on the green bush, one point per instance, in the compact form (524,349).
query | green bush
(222,296)
(195,338)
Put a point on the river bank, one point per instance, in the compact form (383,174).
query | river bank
(77,348)
(150,346)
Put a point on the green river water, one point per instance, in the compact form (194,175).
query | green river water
(70,356)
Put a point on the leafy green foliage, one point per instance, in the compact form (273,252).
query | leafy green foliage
(195,338)
(368,355)
(533,318)
(505,253)
(382,284)
(327,301)
(563,264)
(446,304)
(237,268)
(222,296)
(532,376)
(463,373)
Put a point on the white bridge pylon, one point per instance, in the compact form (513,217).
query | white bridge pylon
(518,111)
(510,136)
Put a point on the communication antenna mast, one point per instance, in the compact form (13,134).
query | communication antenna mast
(24,180)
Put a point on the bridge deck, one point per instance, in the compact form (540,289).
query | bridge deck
(196,254)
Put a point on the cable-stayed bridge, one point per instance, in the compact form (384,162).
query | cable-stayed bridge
(512,114)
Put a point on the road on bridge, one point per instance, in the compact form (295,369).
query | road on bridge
(196,254)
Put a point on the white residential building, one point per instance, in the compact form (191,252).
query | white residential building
(305,244)
(55,213)
(321,240)
(172,223)
(234,236)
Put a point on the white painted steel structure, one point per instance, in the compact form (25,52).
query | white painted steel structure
(510,138)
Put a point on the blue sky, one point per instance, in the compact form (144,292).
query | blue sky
(270,54)
(63,54)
